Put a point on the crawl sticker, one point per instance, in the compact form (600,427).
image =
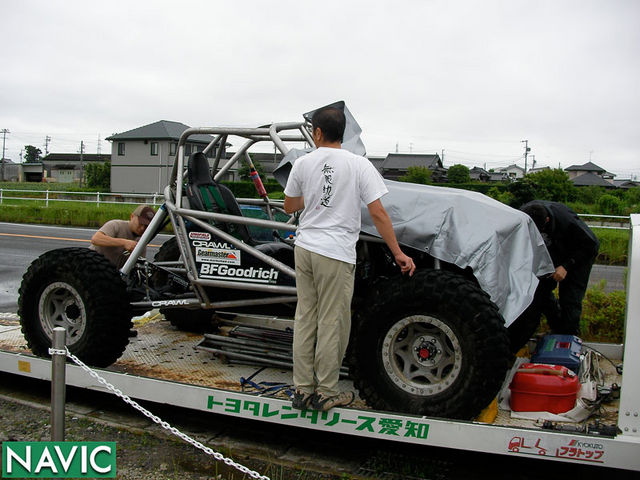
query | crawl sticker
(225,272)
(218,255)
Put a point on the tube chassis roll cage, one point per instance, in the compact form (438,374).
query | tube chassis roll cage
(278,134)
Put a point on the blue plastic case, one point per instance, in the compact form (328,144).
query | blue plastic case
(559,350)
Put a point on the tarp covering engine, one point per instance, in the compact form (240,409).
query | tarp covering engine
(501,245)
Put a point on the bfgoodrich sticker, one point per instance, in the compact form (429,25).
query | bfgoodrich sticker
(224,272)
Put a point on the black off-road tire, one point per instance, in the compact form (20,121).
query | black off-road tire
(80,290)
(433,344)
(184,319)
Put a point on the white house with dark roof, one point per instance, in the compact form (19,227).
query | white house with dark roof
(514,172)
(142,158)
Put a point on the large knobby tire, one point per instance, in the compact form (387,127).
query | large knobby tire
(184,319)
(433,344)
(80,290)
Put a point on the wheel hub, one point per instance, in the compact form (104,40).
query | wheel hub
(421,355)
(61,305)
(427,350)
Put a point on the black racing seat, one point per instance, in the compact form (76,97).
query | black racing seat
(205,194)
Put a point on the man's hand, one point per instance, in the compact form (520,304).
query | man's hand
(129,245)
(405,263)
(383,224)
(560,274)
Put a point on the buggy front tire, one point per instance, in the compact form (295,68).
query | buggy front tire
(80,290)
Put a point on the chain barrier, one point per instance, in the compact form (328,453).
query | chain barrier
(218,456)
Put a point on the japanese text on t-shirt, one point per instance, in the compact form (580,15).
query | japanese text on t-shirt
(327,188)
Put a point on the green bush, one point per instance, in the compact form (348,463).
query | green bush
(610,205)
(603,314)
(458,174)
(417,174)
(589,195)
(501,195)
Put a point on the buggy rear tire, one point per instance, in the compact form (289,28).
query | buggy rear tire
(184,319)
(80,290)
(433,344)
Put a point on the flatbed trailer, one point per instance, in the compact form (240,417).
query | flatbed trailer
(162,365)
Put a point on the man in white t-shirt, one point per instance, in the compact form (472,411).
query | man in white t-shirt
(330,184)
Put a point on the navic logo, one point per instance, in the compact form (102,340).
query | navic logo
(58,459)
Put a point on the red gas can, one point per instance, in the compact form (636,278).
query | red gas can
(538,387)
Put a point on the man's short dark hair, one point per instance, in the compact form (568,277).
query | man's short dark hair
(537,212)
(331,121)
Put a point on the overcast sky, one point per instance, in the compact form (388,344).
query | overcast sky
(472,78)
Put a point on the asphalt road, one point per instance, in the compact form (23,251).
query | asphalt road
(20,244)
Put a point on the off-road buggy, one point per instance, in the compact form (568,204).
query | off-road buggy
(433,344)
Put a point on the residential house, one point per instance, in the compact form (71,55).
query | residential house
(514,172)
(498,177)
(68,167)
(395,165)
(142,159)
(479,174)
(591,179)
(589,167)
(625,184)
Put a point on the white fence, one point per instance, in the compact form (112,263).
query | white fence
(616,222)
(84,197)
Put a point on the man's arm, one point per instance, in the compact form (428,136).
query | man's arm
(101,239)
(293,204)
(383,224)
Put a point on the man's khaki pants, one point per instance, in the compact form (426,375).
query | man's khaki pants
(322,322)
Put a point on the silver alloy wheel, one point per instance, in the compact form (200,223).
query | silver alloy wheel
(421,355)
(60,305)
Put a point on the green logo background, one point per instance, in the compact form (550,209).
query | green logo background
(94,457)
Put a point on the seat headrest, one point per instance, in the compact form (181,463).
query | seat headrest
(198,167)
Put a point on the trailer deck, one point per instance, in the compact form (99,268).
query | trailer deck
(163,365)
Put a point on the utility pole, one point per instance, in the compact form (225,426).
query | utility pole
(4,132)
(526,153)
(99,145)
(442,158)
(47,139)
(81,161)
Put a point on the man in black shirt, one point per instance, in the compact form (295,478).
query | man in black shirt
(573,248)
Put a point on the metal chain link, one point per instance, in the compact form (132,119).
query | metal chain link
(218,456)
